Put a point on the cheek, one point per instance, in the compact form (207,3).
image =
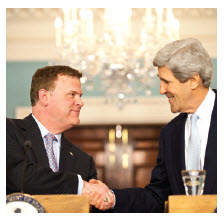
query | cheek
(185,94)
(60,107)
(54,106)
(67,101)
(70,103)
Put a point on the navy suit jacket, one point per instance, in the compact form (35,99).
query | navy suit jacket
(40,178)
(166,176)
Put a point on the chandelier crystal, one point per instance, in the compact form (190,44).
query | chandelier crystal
(115,46)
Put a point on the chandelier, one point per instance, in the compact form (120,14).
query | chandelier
(114,48)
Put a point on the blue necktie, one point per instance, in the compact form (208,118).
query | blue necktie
(50,152)
(194,147)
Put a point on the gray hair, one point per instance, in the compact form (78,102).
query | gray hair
(185,58)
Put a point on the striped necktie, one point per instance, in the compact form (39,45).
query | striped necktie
(50,152)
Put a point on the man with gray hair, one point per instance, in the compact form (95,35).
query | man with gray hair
(185,72)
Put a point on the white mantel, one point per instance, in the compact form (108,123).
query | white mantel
(154,110)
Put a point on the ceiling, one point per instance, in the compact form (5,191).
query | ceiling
(30,31)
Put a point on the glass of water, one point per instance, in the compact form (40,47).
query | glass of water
(194,181)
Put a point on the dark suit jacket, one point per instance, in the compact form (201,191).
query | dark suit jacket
(40,178)
(166,176)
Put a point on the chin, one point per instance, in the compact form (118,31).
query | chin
(174,110)
(76,122)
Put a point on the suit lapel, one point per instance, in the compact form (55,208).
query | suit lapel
(67,156)
(210,164)
(32,132)
(178,148)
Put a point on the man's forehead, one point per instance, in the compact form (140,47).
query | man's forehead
(68,83)
(164,70)
(64,77)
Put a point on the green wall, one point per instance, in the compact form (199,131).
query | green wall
(18,80)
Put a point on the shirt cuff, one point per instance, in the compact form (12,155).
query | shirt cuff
(80,185)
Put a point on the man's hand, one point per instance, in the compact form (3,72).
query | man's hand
(99,194)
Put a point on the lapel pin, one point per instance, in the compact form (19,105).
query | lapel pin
(71,153)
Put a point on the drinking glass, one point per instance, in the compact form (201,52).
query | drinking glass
(194,181)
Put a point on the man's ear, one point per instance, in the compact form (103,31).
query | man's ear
(195,81)
(43,97)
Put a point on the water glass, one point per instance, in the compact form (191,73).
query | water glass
(194,181)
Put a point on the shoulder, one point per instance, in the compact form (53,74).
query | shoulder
(74,149)
(181,118)
(80,152)
(27,122)
(13,123)
(27,119)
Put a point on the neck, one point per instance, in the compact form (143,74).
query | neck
(43,117)
(197,98)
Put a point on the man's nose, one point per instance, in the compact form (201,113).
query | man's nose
(162,89)
(80,102)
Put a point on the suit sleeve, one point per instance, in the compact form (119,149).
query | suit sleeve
(92,170)
(152,197)
(39,180)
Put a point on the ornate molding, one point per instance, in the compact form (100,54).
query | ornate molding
(195,12)
(30,33)
(15,13)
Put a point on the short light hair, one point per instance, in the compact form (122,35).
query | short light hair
(186,58)
(44,78)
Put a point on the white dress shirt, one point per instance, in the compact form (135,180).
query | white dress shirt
(56,148)
(204,112)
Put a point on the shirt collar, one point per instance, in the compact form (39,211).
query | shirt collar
(205,108)
(44,131)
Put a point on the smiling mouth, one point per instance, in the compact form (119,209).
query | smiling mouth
(170,98)
(76,111)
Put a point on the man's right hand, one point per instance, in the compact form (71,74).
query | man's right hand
(99,194)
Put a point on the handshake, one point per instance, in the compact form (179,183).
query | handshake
(99,194)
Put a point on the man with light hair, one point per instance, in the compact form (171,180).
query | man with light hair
(189,141)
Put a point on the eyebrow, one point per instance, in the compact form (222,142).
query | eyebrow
(162,78)
(75,92)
